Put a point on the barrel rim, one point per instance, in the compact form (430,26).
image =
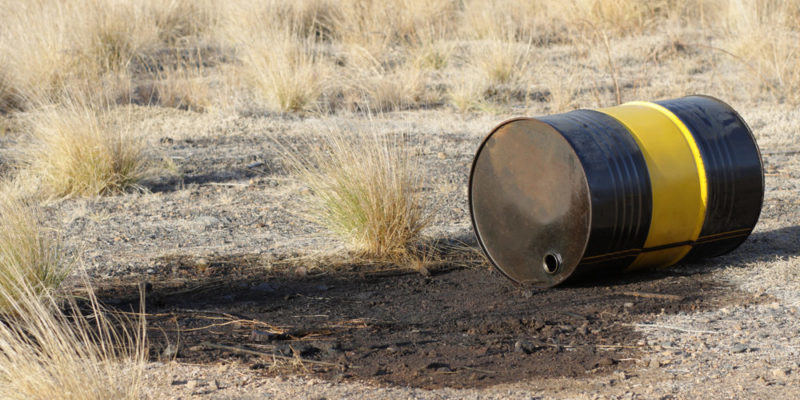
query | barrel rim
(570,268)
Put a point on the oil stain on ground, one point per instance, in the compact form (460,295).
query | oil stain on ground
(458,327)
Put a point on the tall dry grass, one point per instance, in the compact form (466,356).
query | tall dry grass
(49,347)
(45,354)
(50,45)
(31,259)
(765,35)
(366,189)
(324,55)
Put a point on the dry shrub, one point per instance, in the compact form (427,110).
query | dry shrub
(366,189)
(115,34)
(433,55)
(624,17)
(378,88)
(35,54)
(552,21)
(51,45)
(78,151)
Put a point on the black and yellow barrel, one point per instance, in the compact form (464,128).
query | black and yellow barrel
(639,185)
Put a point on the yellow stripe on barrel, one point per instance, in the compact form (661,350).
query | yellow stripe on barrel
(677,177)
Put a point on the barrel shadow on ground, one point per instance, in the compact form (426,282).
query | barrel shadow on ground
(456,327)
(760,246)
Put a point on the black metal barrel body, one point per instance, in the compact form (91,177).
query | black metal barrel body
(634,186)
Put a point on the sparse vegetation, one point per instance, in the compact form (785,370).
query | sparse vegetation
(294,55)
(71,70)
(366,189)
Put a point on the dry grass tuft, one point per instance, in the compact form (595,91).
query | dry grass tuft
(503,61)
(285,70)
(30,257)
(9,99)
(365,188)
(468,91)
(44,353)
(183,87)
(78,151)
(292,55)
(178,22)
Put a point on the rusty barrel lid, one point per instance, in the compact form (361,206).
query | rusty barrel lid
(544,195)
(529,202)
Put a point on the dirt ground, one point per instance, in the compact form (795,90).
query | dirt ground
(244,304)
(247,300)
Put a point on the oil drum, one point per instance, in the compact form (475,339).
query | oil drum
(639,185)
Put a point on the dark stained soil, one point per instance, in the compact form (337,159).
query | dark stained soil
(458,327)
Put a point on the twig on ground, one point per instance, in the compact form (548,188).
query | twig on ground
(670,327)
(654,295)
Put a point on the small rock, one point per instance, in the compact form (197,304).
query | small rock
(667,345)
(263,287)
(255,164)
(191,384)
(207,221)
(214,384)
(301,272)
(439,367)
(739,348)
(171,351)
(524,346)
(605,361)
(628,305)
(654,363)
(392,349)
(779,373)
(441,155)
